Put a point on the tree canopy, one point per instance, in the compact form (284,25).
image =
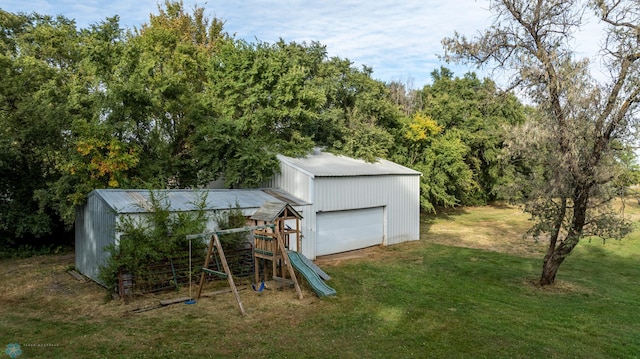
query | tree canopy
(455,137)
(179,102)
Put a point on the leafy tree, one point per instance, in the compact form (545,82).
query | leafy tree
(90,156)
(575,140)
(96,108)
(37,58)
(232,218)
(440,157)
(154,89)
(263,99)
(93,159)
(262,102)
(132,96)
(630,169)
(358,118)
(479,113)
(455,138)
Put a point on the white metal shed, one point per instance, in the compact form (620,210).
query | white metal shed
(95,226)
(353,204)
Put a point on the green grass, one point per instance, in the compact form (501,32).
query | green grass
(415,300)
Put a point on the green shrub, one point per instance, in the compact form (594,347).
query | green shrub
(156,235)
(232,218)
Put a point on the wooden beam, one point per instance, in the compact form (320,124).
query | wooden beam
(215,272)
(225,265)
(226,231)
(166,302)
(287,263)
(298,236)
(77,276)
(206,265)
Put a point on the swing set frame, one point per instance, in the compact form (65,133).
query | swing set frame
(258,230)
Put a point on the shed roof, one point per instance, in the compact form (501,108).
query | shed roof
(139,200)
(269,211)
(323,164)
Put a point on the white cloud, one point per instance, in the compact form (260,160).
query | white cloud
(399,40)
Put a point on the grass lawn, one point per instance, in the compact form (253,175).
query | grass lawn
(463,291)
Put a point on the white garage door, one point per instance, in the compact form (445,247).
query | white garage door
(342,231)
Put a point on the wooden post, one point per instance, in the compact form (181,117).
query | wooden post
(216,241)
(256,267)
(287,263)
(298,236)
(206,265)
(274,260)
(229,274)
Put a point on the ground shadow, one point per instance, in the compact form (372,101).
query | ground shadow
(427,219)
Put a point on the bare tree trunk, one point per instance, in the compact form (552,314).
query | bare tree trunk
(551,261)
(557,252)
(550,269)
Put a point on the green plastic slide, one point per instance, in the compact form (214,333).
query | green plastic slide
(317,284)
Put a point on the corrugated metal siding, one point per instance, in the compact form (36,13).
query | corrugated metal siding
(308,229)
(95,229)
(139,201)
(342,193)
(299,184)
(96,220)
(399,194)
(404,220)
(293,181)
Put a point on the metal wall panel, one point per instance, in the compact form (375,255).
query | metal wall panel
(95,229)
(299,184)
(341,231)
(398,194)
(294,181)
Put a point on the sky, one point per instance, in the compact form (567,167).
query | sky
(399,40)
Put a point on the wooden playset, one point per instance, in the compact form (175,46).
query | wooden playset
(271,234)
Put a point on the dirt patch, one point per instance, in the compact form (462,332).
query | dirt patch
(404,252)
(333,260)
(560,287)
(42,287)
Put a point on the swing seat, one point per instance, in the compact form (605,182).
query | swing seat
(215,272)
(258,289)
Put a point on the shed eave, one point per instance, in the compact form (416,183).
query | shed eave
(322,164)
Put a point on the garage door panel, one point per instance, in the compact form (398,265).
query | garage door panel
(342,231)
